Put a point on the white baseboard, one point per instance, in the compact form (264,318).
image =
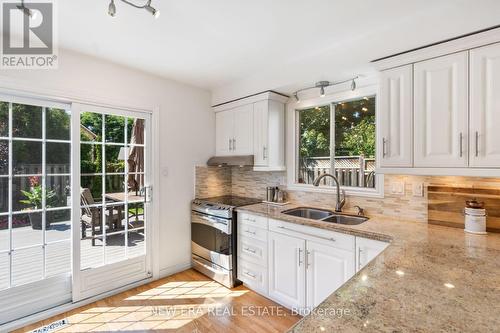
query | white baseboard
(167,271)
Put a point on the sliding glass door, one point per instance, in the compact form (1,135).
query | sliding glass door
(112,224)
(35,205)
(75,202)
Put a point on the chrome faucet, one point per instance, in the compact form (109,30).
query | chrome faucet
(340,199)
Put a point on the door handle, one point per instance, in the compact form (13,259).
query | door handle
(300,256)
(308,253)
(264,155)
(230,144)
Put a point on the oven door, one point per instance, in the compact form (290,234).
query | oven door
(211,239)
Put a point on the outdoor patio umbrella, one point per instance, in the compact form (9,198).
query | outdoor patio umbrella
(136,156)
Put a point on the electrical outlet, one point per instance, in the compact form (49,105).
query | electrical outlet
(398,188)
(418,189)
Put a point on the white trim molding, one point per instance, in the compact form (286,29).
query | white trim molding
(291,142)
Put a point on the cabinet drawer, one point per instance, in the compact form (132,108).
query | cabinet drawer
(248,230)
(253,220)
(253,276)
(252,250)
(331,238)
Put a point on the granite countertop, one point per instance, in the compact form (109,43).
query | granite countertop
(429,279)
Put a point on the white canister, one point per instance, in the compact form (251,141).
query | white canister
(475,220)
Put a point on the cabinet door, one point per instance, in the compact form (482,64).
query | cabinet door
(396,117)
(328,268)
(441,111)
(367,250)
(243,130)
(224,125)
(261,130)
(485,106)
(287,270)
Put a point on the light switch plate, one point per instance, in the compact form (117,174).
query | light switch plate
(418,189)
(398,188)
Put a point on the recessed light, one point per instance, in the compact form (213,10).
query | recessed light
(400,273)
(449,285)
(364,277)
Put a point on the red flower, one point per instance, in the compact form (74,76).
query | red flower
(34,181)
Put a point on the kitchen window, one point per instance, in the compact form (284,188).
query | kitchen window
(338,137)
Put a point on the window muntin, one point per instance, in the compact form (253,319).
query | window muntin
(35,179)
(348,127)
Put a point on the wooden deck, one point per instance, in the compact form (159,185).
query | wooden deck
(27,264)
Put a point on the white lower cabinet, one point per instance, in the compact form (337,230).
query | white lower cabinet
(295,265)
(328,268)
(287,270)
(367,250)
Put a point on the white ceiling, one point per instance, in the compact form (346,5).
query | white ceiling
(237,47)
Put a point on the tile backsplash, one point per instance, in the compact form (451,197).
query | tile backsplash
(211,181)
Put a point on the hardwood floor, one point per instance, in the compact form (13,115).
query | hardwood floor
(184,302)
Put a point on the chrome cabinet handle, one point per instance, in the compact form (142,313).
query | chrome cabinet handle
(250,274)
(249,250)
(300,256)
(461,145)
(384,141)
(250,232)
(359,258)
(234,144)
(307,259)
(264,152)
(477,143)
(230,145)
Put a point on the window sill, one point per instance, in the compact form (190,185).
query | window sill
(350,191)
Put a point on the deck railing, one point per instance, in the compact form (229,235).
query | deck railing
(361,174)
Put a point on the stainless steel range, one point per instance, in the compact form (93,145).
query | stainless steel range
(213,236)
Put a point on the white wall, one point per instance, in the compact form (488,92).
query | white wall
(186,135)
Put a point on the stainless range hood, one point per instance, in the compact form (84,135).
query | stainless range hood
(246,160)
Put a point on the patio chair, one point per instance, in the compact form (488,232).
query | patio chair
(91,216)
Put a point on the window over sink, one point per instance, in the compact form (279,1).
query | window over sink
(336,135)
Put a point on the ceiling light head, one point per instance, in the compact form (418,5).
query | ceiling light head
(112,8)
(322,91)
(353,85)
(321,85)
(152,10)
(26,11)
(296,95)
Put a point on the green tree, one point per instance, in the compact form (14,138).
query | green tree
(360,139)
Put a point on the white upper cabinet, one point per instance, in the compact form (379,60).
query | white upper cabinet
(441,111)
(396,117)
(224,127)
(253,126)
(269,135)
(234,131)
(328,268)
(484,118)
(243,130)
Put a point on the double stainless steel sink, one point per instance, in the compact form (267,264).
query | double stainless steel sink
(325,215)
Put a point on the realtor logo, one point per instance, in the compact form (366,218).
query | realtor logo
(28,39)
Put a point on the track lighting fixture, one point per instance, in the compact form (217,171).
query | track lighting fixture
(112,8)
(323,84)
(147,6)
